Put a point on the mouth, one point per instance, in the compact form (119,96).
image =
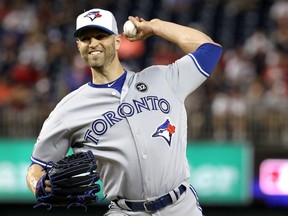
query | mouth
(95,52)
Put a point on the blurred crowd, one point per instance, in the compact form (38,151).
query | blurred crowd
(246,98)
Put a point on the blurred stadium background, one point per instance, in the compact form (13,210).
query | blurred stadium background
(238,120)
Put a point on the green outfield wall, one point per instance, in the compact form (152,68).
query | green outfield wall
(220,172)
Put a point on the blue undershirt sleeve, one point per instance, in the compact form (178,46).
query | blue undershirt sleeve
(206,57)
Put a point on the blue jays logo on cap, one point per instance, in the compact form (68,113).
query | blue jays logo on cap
(166,130)
(93,15)
(97,18)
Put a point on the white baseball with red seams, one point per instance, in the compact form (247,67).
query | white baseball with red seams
(129,29)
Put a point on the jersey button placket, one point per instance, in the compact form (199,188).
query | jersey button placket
(147,179)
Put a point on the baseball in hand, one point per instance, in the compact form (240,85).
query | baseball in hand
(130,29)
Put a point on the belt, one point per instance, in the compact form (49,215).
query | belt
(156,204)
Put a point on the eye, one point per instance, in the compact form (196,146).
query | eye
(101,36)
(84,38)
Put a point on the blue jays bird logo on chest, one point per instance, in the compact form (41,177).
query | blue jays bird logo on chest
(165,131)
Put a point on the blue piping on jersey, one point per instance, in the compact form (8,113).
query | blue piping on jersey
(198,66)
(41,163)
(206,57)
(116,84)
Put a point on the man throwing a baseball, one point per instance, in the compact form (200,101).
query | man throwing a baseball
(134,123)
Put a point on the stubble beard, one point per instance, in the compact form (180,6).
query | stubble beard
(105,59)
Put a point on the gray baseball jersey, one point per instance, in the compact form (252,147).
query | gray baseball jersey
(138,136)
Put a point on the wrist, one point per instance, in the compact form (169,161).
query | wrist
(155,26)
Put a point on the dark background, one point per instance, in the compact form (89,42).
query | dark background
(39,64)
(15,210)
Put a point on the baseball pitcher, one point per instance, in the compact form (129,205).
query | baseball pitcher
(134,124)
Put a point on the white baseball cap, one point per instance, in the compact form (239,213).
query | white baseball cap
(96,18)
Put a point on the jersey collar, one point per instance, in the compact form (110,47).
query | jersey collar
(116,84)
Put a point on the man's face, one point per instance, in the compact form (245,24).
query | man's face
(97,48)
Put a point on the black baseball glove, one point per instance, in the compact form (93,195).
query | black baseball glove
(73,182)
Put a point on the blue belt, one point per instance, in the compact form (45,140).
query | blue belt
(157,204)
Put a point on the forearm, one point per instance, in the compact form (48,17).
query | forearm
(188,39)
(34,173)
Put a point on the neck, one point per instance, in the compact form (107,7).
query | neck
(108,74)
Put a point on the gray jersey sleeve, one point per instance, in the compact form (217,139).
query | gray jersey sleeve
(183,76)
(53,141)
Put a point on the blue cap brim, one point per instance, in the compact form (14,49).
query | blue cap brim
(76,33)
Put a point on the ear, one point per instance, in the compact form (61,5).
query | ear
(117,42)
(77,42)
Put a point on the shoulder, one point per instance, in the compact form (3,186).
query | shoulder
(153,69)
(173,67)
(71,98)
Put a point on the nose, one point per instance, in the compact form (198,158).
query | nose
(93,42)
